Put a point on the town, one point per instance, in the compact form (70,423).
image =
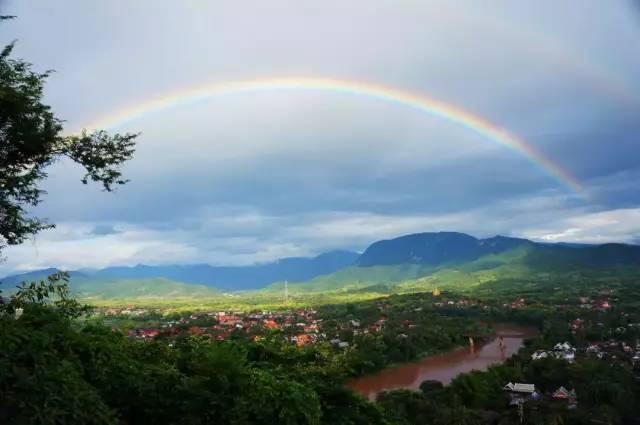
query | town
(595,327)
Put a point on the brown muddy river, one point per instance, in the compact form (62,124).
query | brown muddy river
(446,366)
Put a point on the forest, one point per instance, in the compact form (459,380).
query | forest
(56,368)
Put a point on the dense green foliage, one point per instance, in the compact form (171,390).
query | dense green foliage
(54,370)
(57,369)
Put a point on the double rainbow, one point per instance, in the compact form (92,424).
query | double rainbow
(420,102)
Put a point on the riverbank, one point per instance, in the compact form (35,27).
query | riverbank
(444,367)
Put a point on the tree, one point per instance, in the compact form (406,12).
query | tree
(430,386)
(41,378)
(406,407)
(31,139)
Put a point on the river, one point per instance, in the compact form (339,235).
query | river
(445,366)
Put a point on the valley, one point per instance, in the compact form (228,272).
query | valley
(436,340)
(484,266)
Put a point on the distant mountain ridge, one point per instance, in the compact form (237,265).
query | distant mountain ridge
(445,257)
(436,248)
(230,277)
(449,248)
(443,248)
(35,275)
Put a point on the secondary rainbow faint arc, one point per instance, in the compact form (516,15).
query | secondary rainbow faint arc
(421,102)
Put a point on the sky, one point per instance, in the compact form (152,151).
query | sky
(249,176)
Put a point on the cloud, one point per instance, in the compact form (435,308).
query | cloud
(104,229)
(620,225)
(242,235)
(254,176)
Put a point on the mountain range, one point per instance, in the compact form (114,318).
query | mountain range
(435,249)
(415,256)
(228,278)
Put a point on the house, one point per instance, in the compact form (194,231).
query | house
(271,324)
(568,356)
(540,354)
(148,333)
(577,324)
(302,339)
(520,393)
(310,328)
(603,305)
(518,303)
(561,393)
(230,320)
(564,351)
(520,388)
(564,346)
(565,395)
(593,349)
(196,330)
(375,327)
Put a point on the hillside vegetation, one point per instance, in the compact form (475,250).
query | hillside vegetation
(413,263)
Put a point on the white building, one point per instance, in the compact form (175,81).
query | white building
(520,388)
(540,354)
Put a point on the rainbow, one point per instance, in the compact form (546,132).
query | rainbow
(419,102)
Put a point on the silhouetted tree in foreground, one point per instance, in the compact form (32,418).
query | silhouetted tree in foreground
(31,139)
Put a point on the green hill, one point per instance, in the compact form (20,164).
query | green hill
(136,289)
(411,263)
(356,278)
(521,265)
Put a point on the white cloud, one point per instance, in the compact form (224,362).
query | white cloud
(73,246)
(242,235)
(619,225)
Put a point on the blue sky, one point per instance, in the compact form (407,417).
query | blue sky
(252,177)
